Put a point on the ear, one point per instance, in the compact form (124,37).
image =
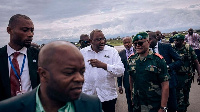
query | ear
(9,30)
(43,74)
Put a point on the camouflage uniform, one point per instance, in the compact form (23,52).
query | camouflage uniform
(147,76)
(184,76)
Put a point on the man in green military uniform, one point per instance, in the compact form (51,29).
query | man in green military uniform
(149,79)
(184,75)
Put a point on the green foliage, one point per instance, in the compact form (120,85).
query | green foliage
(115,42)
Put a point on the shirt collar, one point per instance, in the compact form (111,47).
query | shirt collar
(89,48)
(131,49)
(69,107)
(10,50)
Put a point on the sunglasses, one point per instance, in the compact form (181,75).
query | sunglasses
(99,39)
(139,43)
(86,42)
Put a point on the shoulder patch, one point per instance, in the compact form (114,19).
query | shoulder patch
(160,56)
(131,55)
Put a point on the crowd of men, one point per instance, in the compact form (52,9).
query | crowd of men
(156,75)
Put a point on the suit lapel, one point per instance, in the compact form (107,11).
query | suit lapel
(79,105)
(5,71)
(29,103)
(160,48)
(32,64)
(124,54)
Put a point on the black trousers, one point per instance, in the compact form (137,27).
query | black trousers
(109,106)
(128,98)
(172,100)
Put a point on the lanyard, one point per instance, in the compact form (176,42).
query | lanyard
(18,76)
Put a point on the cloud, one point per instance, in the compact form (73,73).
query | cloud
(69,19)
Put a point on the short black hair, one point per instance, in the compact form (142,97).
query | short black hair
(14,19)
(92,33)
(83,35)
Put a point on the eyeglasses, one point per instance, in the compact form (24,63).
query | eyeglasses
(158,34)
(99,39)
(139,43)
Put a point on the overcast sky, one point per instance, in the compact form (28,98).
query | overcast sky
(70,18)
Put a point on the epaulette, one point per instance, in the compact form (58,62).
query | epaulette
(160,56)
(131,55)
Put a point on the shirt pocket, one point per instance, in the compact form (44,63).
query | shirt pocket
(152,69)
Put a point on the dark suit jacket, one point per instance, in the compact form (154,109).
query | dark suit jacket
(125,77)
(170,54)
(27,103)
(32,54)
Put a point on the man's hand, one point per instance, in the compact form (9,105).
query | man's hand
(120,90)
(198,80)
(97,63)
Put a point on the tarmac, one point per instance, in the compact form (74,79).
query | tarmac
(121,105)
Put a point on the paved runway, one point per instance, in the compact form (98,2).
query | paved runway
(121,105)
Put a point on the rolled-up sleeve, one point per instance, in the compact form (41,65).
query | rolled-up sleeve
(116,68)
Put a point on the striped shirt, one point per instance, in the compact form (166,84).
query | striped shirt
(193,40)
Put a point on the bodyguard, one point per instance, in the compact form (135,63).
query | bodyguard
(148,77)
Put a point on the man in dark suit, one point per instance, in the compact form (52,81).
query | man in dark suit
(169,54)
(124,54)
(60,67)
(21,29)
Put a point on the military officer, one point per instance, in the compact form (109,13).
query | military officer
(149,79)
(184,75)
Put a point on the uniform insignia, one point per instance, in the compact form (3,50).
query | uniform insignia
(151,69)
(107,56)
(160,56)
(133,68)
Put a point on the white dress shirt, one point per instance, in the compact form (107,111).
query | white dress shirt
(155,48)
(25,77)
(129,52)
(99,81)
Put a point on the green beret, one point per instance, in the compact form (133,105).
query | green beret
(140,36)
(179,37)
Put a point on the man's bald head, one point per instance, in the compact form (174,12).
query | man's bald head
(61,67)
(127,38)
(48,52)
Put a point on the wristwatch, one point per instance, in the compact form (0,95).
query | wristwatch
(164,108)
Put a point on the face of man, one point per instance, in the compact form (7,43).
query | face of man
(85,42)
(98,41)
(127,43)
(141,46)
(190,32)
(65,75)
(21,34)
(178,42)
(158,35)
(152,41)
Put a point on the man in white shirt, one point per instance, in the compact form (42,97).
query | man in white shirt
(21,31)
(103,64)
